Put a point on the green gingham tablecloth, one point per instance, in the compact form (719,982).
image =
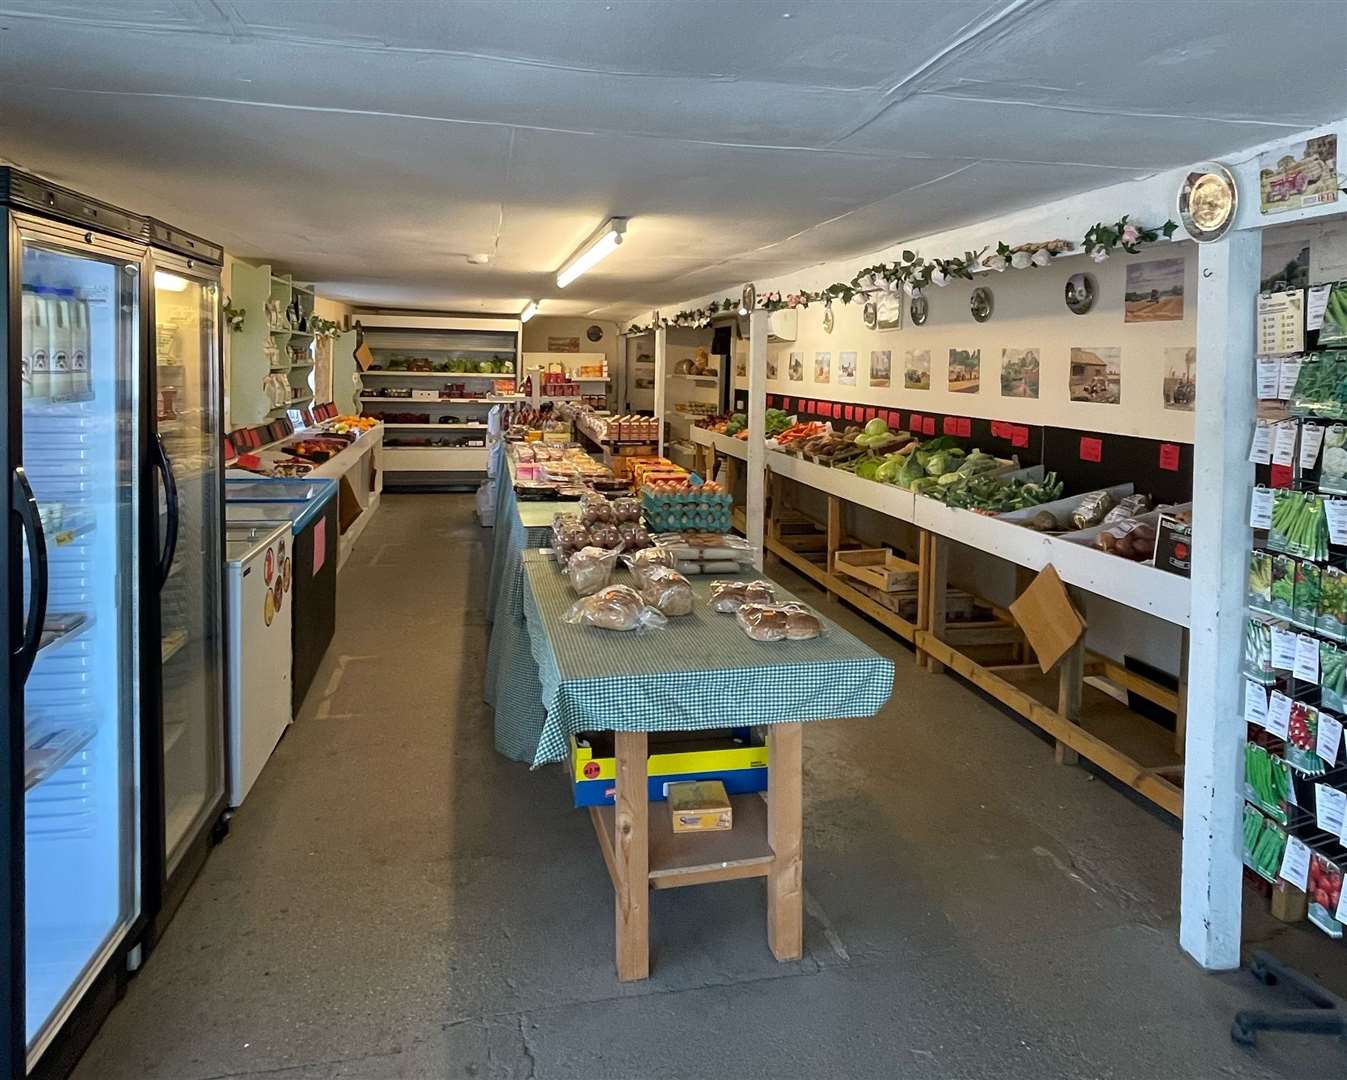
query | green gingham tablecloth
(699,671)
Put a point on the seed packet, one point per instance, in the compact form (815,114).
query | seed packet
(1333,470)
(1299,524)
(1332,620)
(1301,739)
(1283,585)
(1264,844)
(1324,892)
(1332,676)
(1321,385)
(1266,781)
(1305,612)
(1260,580)
(1258,651)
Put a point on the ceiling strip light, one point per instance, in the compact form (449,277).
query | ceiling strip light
(598,247)
(530,310)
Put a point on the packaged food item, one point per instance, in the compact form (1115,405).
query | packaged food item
(605,534)
(1306,596)
(1128,506)
(729,596)
(1260,580)
(595,508)
(1258,651)
(626,509)
(1333,468)
(651,556)
(633,536)
(706,553)
(1130,538)
(778,622)
(1092,509)
(665,589)
(590,569)
(700,806)
(617,607)
(568,536)
(1333,604)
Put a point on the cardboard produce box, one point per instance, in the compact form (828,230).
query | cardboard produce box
(700,806)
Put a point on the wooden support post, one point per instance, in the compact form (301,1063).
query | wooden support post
(631,856)
(661,374)
(1070,682)
(1212,880)
(939,579)
(836,536)
(1181,713)
(923,590)
(1024,577)
(757,430)
(785,817)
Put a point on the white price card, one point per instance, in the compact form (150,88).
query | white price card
(1284,443)
(1306,667)
(1281,323)
(1336,512)
(1279,715)
(1330,734)
(1260,451)
(1296,863)
(1330,808)
(1315,306)
(1255,704)
(1286,381)
(1269,378)
(1260,509)
(1311,439)
(1284,644)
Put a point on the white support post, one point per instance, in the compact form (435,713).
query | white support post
(756,498)
(1212,886)
(661,339)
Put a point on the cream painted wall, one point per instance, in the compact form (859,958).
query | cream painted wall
(1030,312)
(538,329)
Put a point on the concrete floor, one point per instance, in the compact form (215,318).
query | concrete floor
(394,900)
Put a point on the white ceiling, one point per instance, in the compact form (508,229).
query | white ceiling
(369,146)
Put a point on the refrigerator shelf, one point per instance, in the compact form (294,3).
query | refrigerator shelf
(60,628)
(68,533)
(48,747)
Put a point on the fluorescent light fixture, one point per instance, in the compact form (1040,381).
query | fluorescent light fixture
(530,310)
(169,282)
(598,247)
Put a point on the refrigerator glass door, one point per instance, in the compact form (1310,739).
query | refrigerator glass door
(78,382)
(186,312)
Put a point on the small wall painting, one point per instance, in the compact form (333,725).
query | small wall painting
(881,367)
(771,365)
(965,370)
(795,369)
(917,369)
(846,368)
(1154,291)
(1180,379)
(1096,374)
(1019,373)
(823,367)
(563,344)
(1300,175)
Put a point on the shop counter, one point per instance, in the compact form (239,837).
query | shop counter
(700,671)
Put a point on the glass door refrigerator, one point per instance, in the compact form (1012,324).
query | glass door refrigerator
(187,449)
(74,612)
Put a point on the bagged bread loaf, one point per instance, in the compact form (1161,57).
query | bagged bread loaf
(778,622)
(665,589)
(590,569)
(617,607)
(730,596)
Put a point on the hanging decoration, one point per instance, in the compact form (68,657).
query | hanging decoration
(913,272)
(234,316)
(324,328)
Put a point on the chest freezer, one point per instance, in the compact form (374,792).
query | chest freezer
(259,593)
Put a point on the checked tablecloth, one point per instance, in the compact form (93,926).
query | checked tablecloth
(699,671)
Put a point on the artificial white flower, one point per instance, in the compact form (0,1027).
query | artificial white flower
(939,278)
(1041,257)
(1021,259)
(995,261)
(1099,253)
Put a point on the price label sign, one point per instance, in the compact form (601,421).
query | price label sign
(1091,449)
(1316,305)
(1279,715)
(1307,659)
(1284,443)
(1260,509)
(1169,456)
(1311,439)
(1330,808)
(1286,381)
(1260,453)
(1284,648)
(1296,863)
(1330,735)
(1255,704)
(1335,510)
(1269,371)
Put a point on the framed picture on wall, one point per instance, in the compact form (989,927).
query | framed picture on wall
(771,365)
(1019,373)
(1096,374)
(888,311)
(917,369)
(823,367)
(965,370)
(1154,291)
(795,369)
(1180,378)
(846,368)
(881,367)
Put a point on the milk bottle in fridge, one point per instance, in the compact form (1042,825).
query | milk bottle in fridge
(37,329)
(81,386)
(34,338)
(58,357)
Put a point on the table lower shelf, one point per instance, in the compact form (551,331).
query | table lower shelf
(679,859)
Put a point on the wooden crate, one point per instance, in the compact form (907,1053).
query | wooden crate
(879,568)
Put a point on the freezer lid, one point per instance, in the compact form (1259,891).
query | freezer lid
(246,539)
(272,489)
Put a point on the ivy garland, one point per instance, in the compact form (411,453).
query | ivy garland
(912,272)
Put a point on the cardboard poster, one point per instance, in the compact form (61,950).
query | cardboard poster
(965,370)
(795,369)
(881,367)
(1154,291)
(1019,373)
(1180,388)
(823,367)
(1299,175)
(1096,374)
(846,368)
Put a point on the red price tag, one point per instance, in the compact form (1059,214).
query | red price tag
(785,404)
(1169,456)
(965,428)
(950,425)
(998,429)
(1281,476)
(914,422)
(1019,435)
(1091,449)
(851,412)
(928,425)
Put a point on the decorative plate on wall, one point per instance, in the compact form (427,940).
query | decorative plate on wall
(828,319)
(594,333)
(980,303)
(1207,201)
(870,313)
(920,310)
(1080,293)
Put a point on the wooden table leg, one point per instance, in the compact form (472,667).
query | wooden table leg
(631,856)
(836,537)
(938,553)
(923,589)
(785,882)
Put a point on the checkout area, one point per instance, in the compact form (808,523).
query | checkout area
(286,538)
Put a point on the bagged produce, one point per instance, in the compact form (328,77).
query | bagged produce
(1128,506)
(1299,525)
(729,596)
(594,508)
(666,589)
(778,622)
(1130,538)
(1266,780)
(568,536)
(1283,586)
(1332,676)
(634,537)
(590,569)
(1302,738)
(1321,384)
(1333,465)
(1092,509)
(617,607)
(1257,663)
(1334,328)
(650,556)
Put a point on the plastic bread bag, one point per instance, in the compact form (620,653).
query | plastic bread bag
(1092,509)
(590,569)
(707,547)
(778,622)
(1129,506)
(665,589)
(618,607)
(595,508)
(627,509)
(633,536)
(650,556)
(729,596)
